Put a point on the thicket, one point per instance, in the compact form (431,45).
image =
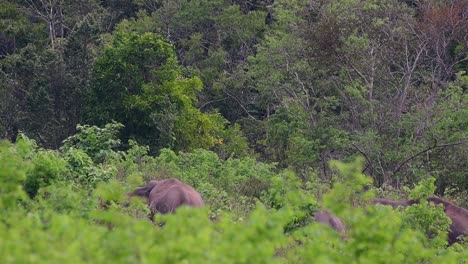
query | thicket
(71,206)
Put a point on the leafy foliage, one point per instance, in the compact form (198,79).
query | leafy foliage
(97,143)
(89,222)
(13,172)
(252,102)
(150,96)
(47,167)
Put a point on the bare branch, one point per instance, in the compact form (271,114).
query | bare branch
(242,106)
(426,150)
(210,102)
(369,162)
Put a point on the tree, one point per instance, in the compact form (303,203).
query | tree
(150,95)
(36,96)
(51,12)
(211,38)
(17,29)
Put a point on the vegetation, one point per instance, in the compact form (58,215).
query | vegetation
(250,102)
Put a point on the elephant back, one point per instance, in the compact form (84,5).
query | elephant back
(169,194)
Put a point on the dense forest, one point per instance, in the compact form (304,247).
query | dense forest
(272,110)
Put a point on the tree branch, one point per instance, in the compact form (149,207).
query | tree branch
(369,162)
(210,102)
(424,151)
(242,106)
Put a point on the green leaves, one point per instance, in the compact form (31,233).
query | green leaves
(47,167)
(349,186)
(150,96)
(97,143)
(84,172)
(12,173)
(89,217)
(306,81)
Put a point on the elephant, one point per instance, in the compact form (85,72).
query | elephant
(165,196)
(393,203)
(325,217)
(458,215)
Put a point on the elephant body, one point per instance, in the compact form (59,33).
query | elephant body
(394,204)
(333,221)
(458,215)
(166,195)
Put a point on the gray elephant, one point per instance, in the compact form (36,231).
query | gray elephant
(166,195)
(459,215)
(325,217)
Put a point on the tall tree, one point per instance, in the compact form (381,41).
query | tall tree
(149,95)
(37,98)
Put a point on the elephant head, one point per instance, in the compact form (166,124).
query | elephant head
(145,190)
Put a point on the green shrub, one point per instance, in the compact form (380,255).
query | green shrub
(47,167)
(84,171)
(13,168)
(98,143)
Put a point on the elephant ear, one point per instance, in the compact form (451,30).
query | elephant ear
(144,191)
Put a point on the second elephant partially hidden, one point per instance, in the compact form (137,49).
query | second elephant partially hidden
(325,217)
(166,195)
(458,215)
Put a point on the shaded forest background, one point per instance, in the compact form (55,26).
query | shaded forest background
(296,83)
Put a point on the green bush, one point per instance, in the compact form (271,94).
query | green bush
(13,168)
(84,171)
(47,167)
(98,143)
